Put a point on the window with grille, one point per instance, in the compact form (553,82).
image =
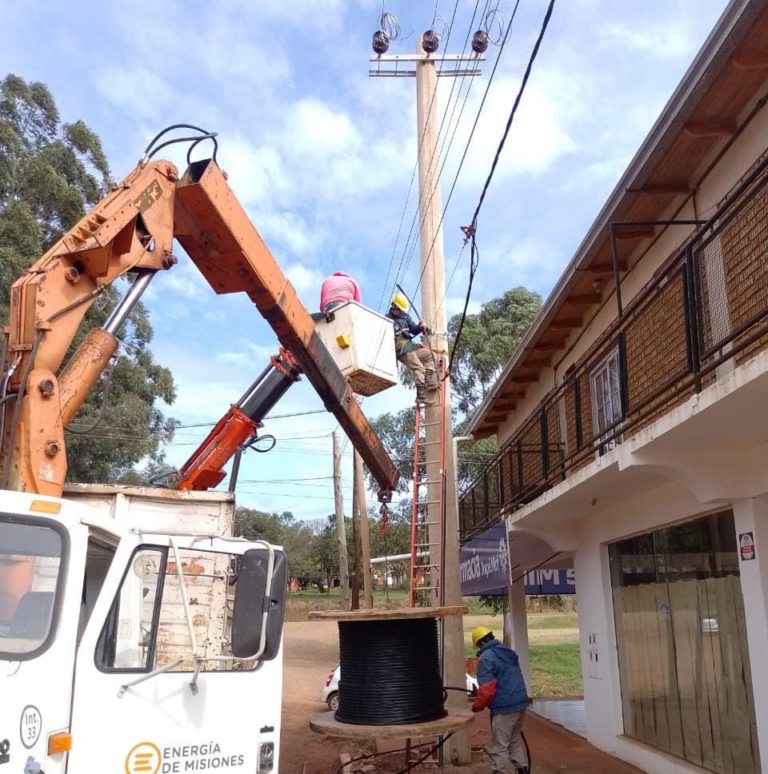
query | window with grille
(606,397)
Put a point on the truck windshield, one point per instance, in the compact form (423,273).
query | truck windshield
(31,564)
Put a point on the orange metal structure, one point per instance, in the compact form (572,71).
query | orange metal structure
(132,231)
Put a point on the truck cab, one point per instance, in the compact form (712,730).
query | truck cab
(119,636)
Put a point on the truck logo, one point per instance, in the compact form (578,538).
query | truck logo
(148,196)
(144,758)
(5,756)
(30,726)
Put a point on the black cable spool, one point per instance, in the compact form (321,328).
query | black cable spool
(390,672)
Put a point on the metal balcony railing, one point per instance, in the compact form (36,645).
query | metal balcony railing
(707,306)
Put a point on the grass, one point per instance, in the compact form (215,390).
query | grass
(552,621)
(553,637)
(555,670)
(300,603)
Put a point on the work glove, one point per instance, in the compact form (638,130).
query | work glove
(425,328)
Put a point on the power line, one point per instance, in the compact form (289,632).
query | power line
(444,152)
(413,176)
(471,230)
(410,246)
(472,132)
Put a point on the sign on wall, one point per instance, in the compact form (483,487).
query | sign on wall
(484,562)
(484,569)
(746,546)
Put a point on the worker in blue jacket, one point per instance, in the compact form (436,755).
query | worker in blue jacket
(502,689)
(416,357)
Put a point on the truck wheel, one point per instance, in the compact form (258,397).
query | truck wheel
(333,701)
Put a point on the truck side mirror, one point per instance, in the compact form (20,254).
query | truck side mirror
(253,600)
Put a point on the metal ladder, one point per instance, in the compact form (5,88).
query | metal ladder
(427,533)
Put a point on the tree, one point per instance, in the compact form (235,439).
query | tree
(396,432)
(50,173)
(487,341)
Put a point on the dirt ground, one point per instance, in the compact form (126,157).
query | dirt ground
(311,651)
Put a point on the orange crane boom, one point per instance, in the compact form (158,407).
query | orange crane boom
(132,231)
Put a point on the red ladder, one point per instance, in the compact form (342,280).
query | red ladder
(427,534)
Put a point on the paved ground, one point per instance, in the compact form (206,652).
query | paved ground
(311,651)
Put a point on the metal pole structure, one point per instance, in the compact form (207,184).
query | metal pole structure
(341,532)
(432,265)
(363,529)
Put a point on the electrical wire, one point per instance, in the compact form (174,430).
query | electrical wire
(471,230)
(413,176)
(410,243)
(433,749)
(521,91)
(390,672)
(444,152)
(471,135)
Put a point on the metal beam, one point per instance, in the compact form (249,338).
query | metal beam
(216,232)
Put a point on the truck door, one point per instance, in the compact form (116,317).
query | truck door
(156,688)
(41,580)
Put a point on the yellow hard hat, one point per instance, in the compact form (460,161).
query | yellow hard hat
(400,301)
(478,633)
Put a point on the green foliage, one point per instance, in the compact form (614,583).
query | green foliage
(396,432)
(396,537)
(487,341)
(50,173)
(495,604)
(313,558)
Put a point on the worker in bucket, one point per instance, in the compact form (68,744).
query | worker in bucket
(502,689)
(336,290)
(415,356)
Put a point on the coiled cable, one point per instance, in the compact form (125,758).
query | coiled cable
(390,672)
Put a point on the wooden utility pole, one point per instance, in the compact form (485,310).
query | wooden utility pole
(341,532)
(441,473)
(444,522)
(360,514)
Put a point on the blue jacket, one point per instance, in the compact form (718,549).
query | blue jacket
(405,331)
(501,684)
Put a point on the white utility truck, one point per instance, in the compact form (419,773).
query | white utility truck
(136,634)
(146,638)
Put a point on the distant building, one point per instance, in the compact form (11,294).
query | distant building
(632,424)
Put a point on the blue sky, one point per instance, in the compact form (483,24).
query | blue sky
(322,156)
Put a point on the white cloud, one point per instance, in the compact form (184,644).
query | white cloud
(256,173)
(249,356)
(455,305)
(661,41)
(305,279)
(316,129)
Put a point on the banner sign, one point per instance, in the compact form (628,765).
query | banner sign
(484,562)
(484,569)
(550,582)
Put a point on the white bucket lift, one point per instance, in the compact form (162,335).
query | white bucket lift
(362,343)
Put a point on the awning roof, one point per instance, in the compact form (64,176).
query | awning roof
(700,118)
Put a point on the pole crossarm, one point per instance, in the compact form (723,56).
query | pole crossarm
(448,65)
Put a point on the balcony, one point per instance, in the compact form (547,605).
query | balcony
(704,313)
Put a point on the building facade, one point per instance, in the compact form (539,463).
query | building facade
(633,433)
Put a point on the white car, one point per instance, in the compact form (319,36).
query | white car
(331,690)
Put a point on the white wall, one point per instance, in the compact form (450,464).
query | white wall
(602,690)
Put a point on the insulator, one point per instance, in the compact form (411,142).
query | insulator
(430,41)
(480,42)
(380,42)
